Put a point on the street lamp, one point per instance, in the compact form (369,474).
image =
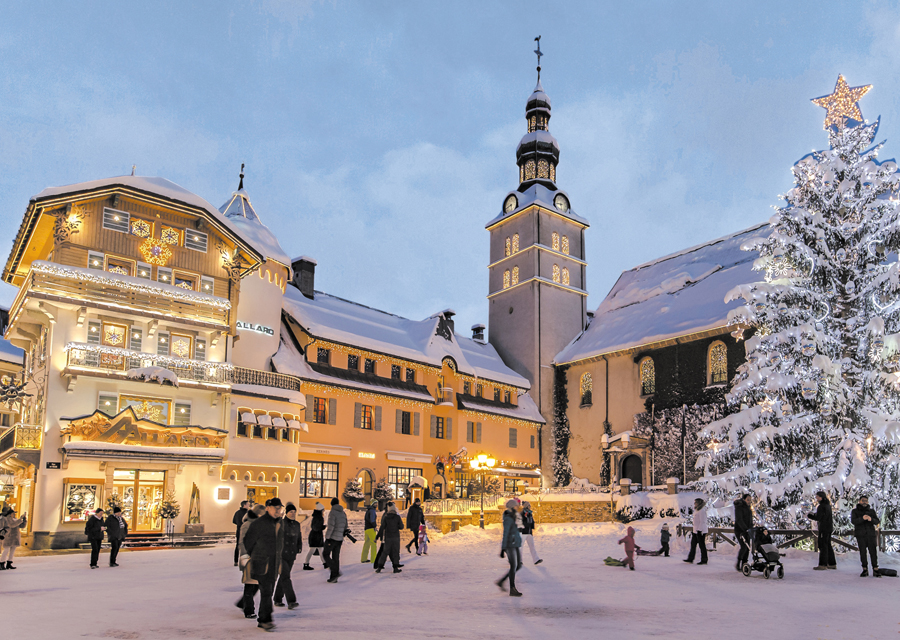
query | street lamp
(482,463)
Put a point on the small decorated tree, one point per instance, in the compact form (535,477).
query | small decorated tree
(115,500)
(169,510)
(353,493)
(382,493)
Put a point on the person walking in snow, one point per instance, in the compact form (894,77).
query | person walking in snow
(664,537)
(825,527)
(116,530)
(237,520)
(371,523)
(509,547)
(334,538)
(316,537)
(864,521)
(699,530)
(743,523)
(414,517)
(389,532)
(94,529)
(251,586)
(293,545)
(527,531)
(264,541)
(10,527)
(630,546)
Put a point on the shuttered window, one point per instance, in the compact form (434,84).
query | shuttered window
(162,344)
(164,275)
(96,260)
(200,349)
(143,270)
(93,333)
(196,240)
(108,403)
(513,437)
(207,285)
(115,220)
(182,417)
(135,340)
(532,442)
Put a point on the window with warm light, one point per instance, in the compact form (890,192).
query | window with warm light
(508,251)
(515,276)
(565,245)
(554,241)
(648,377)
(557,275)
(718,363)
(587,389)
(565,275)
(515,243)
(506,279)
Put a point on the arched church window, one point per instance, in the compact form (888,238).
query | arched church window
(506,279)
(515,243)
(508,247)
(565,275)
(515,276)
(554,241)
(565,245)
(648,377)
(556,273)
(529,170)
(543,168)
(553,172)
(531,124)
(587,388)
(717,364)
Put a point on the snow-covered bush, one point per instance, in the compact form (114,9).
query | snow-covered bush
(353,490)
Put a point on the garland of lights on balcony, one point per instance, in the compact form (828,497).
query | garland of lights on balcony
(502,419)
(409,403)
(156,359)
(92,276)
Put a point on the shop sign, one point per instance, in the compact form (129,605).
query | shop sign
(54,465)
(257,328)
(370,456)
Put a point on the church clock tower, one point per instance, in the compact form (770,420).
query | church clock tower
(537,269)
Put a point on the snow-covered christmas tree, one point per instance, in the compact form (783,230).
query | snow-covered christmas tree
(815,405)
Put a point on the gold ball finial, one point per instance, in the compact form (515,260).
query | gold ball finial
(842,103)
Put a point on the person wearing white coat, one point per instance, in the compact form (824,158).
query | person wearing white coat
(698,535)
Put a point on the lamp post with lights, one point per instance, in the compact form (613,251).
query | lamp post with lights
(482,463)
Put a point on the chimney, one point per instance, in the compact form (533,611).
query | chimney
(590,318)
(304,275)
(478,332)
(448,318)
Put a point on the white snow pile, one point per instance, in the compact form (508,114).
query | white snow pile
(153,374)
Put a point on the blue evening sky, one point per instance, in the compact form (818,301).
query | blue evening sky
(380,137)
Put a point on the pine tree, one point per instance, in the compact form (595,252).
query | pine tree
(560,431)
(815,405)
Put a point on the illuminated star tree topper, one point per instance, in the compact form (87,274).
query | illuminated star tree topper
(841,104)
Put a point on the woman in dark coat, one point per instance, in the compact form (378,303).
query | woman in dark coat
(391,525)
(293,545)
(316,537)
(509,547)
(823,517)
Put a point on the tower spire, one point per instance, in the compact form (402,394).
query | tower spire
(539,54)
(241,183)
(538,152)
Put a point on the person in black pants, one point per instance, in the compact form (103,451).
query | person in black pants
(823,516)
(264,541)
(743,522)
(94,529)
(864,521)
(293,545)
(389,532)
(116,530)
(237,520)
(414,517)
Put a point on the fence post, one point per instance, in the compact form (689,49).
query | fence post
(625,486)
(672,486)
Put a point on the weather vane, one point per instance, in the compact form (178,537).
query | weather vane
(539,54)
(241,184)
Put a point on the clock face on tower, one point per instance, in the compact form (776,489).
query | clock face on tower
(510,204)
(561,203)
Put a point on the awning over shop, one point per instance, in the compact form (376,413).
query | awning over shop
(405,456)
(324,449)
(418,481)
(517,473)
(135,452)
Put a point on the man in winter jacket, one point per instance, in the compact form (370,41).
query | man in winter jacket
(264,542)
(743,523)
(94,529)
(698,532)
(293,545)
(824,519)
(864,521)
(391,525)
(527,531)
(334,538)
(116,530)
(371,522)
(414,517)
(509,547)
(237,520)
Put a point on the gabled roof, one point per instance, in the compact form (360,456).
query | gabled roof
(155,188)
(337,320)
(678,295)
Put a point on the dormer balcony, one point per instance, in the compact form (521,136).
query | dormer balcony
(444,397)
(66,285)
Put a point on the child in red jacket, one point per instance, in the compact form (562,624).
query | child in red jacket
(630,546)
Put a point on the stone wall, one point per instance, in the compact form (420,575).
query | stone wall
(544,512)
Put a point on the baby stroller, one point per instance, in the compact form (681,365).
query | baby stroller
(765,555)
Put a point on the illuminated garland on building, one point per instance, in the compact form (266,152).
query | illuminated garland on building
(100,277)
(344,392)
(502,419)
(167,361)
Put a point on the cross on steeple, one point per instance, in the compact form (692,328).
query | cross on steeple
(539,54)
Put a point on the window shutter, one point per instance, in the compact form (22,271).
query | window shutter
(200,349)
(207,285)
(513,438)
(399,425)
(162,343)
(96,260)
(310,408)
(357,416)
(143,270)
(108,403)
(116,220)
(93,333)
(470,432)
(135,339)
(532,442)
(377,418)
(478,433)
(434,426)
(332,411)
(416,421)
(182,416)
(448,432)
(164,275)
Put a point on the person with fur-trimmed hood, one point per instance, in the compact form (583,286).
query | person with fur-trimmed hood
(509,547)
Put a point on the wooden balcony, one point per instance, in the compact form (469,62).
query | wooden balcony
(64,284)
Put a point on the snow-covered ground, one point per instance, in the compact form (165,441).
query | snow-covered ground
(190,593)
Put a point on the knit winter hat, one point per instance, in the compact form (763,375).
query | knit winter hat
(374,503)
(526,504)
(512,503)
(319,507)
(665,526)
(290,507)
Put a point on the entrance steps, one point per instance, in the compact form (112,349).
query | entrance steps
(161,540)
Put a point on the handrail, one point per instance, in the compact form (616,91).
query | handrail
(21,436)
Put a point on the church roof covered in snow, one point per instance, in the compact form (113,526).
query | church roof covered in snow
(331,318)
(678,295)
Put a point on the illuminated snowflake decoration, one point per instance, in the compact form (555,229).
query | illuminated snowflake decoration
(140,228)
(170,236)
(156,252)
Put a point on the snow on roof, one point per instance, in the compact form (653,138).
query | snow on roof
(526,409)
(540,195)
(538,136)
(9,353)
(294,397)
(338,320)
(305,259)
(239,207)
(161,187)
(677,295)
(242,215)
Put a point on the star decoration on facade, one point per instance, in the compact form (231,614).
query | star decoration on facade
(842,103)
